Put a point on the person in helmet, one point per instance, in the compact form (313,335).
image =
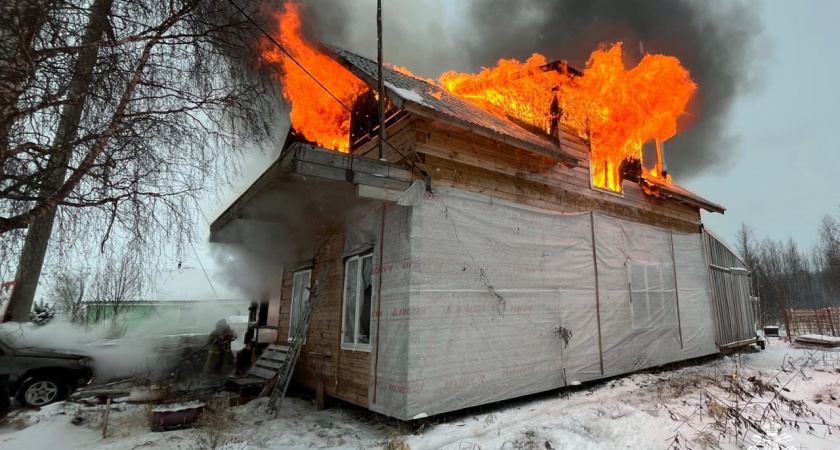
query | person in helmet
(219,355)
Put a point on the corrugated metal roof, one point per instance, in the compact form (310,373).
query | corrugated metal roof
(433,99)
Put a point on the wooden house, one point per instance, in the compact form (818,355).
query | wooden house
(477,262)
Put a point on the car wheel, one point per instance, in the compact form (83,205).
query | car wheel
(40,392)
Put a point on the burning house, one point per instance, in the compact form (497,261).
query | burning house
(511,239)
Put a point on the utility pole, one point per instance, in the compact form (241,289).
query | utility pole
(39,232)
(381,81)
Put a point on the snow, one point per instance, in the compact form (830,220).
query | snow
(406,94)
(179,406)
(819,337)
(639,411)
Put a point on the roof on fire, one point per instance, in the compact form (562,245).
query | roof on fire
(425,99)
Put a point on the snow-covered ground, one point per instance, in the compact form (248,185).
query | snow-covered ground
(713,405)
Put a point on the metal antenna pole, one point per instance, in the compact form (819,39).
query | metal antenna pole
(381,81)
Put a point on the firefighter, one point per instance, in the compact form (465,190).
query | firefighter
(219,355)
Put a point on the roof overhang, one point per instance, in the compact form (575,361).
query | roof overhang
(307,185)
(662,189)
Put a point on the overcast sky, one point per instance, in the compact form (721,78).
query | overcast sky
(784,174)
(782,177)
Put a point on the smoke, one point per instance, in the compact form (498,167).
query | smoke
(280,226)
(124,359)
(418,34)
(148,350)
(717,41)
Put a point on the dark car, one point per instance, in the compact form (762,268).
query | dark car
(38,377)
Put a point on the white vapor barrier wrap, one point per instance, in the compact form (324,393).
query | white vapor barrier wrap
(496,300)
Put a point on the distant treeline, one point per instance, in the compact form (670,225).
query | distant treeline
(785,276)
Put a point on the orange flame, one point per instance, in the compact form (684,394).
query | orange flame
(315,114)
(616,109)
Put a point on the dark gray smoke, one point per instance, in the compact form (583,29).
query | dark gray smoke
(716,40)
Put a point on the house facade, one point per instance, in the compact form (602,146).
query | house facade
(477,263)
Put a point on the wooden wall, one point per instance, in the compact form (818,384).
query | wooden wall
(345,374)
(459,159)
(455,158)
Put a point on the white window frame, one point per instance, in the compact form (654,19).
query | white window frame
(180,320)
(307,272)
(355,345)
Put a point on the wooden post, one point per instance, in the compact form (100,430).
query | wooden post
(597,292)
(105,419)
(659,165)
(787,323)
(381,81)
(319,395)
(831,322)
(676,289)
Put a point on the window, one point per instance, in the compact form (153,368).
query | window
(652,295)
(300,296)
(187,317)
(358,290)
(605,177)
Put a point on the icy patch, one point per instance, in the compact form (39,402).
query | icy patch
(420,416)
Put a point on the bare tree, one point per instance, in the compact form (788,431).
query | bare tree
(774,288)
(68,293)
(115,116)
(829,254)
(747,245)
(117,284)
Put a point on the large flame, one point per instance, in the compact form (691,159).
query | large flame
(315,113)
(617,109)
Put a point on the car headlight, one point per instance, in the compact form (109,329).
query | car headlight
(85,362)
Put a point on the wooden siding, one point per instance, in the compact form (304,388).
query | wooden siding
(345,374)
(455,158)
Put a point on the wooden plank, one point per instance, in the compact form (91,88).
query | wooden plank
(268,364)
(522,191)
(338,174)
(556,154)
(476,151)
(377,193)
(262,373)
(308,153)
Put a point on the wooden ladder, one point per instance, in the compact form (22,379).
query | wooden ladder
(287,369)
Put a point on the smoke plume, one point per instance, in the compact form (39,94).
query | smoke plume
(715,40)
